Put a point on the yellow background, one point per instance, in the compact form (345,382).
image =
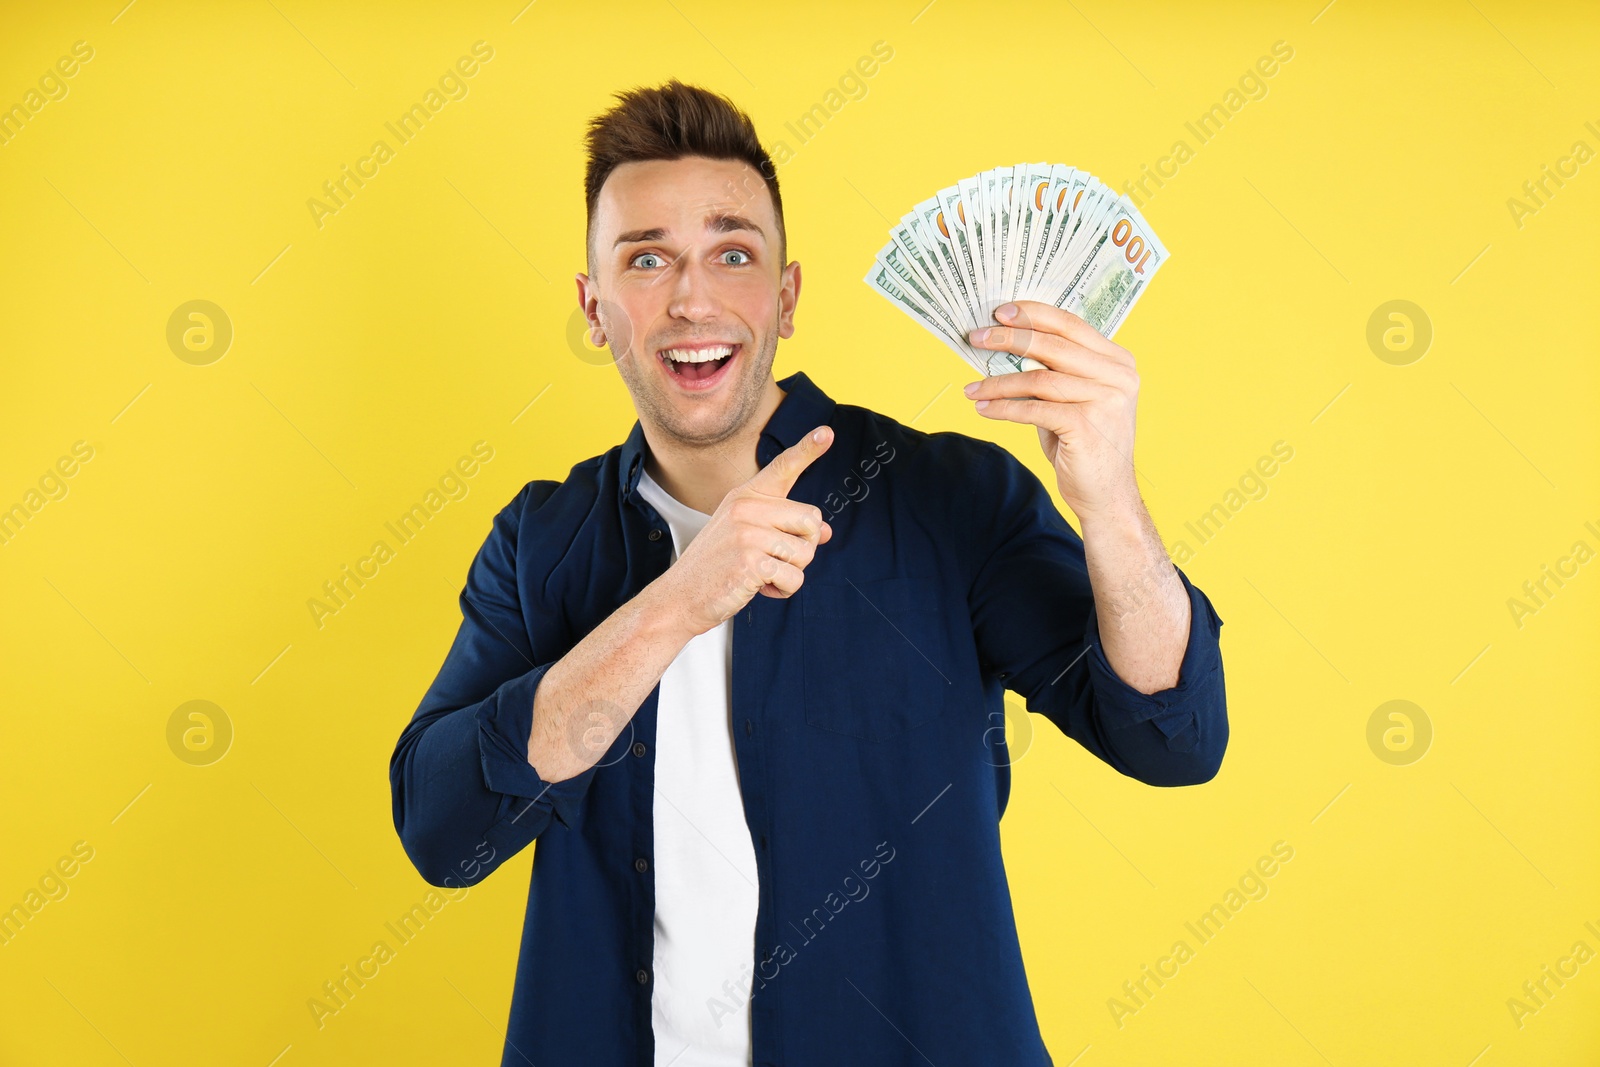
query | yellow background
(428,313)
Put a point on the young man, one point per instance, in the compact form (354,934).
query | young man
(742,675)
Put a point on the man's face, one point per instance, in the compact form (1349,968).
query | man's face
(686,260)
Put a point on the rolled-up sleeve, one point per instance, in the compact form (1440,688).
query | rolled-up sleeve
(1036,628)
(465,796)
(1192,715)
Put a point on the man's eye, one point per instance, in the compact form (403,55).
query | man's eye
(638,261)
(736,252)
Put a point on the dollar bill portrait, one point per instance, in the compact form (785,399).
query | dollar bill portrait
(741,676)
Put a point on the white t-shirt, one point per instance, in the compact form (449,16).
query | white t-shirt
(705,864)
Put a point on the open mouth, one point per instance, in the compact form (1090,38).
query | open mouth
(699,366)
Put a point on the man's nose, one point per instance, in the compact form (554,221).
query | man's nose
(693,296)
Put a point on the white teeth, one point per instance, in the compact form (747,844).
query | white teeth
(685,355)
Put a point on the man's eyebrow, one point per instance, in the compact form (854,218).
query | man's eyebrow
(723,222)
(727,223)
(636,236)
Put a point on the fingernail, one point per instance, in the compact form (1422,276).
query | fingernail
(1006,312)
(982,404)
(979,336)
(817,436)
(970,388)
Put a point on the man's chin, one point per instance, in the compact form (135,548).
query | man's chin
(702,420)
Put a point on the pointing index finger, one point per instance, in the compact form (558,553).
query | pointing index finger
(778,477)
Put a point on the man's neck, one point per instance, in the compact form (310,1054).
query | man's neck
(699,476)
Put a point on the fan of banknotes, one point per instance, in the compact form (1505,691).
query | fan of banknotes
(1035,231)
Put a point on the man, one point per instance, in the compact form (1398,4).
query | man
(742,676)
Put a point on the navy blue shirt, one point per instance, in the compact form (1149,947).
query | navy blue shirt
(868,725)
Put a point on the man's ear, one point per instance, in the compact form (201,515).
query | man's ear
(788,297)
(589,302)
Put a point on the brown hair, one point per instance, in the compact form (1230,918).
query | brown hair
(670,122)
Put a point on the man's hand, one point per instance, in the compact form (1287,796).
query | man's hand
(1082,403)
(757,541)
(1083,406)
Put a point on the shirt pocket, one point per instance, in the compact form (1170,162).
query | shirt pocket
(876,655)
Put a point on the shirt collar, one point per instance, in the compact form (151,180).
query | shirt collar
(803,408)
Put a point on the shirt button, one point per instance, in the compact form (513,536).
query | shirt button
(641,865)
(749,728)
(642,975)
(638,748)
(655,535)
(763,840)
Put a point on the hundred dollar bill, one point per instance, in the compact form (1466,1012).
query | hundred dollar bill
(999,193)
(960,224)
(1124,256)
(1028,221)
